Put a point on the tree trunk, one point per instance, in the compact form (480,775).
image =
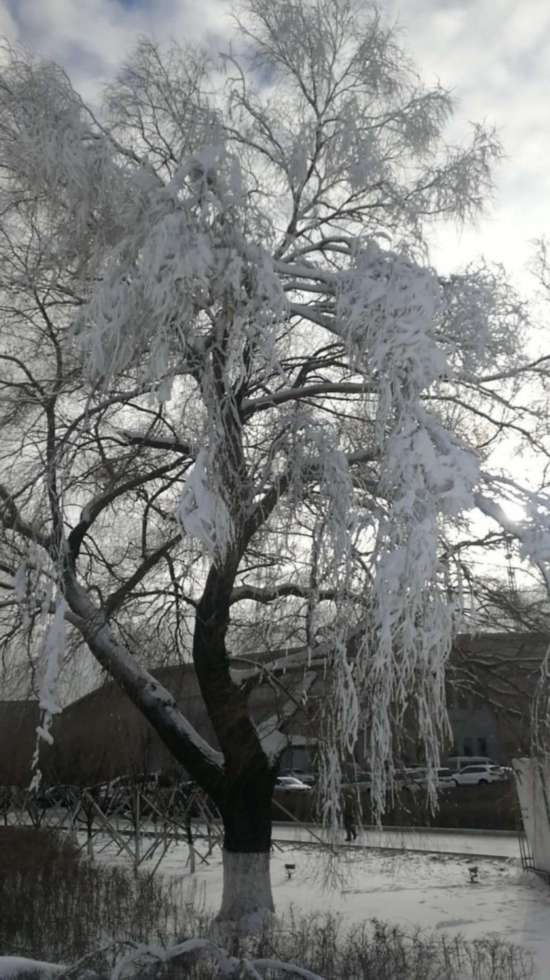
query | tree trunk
(247,900)
(244,799)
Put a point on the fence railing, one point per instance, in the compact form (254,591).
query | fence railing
(141,822)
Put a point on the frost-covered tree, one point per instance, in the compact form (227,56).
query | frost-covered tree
(239,406)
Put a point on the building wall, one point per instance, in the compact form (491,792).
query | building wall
(18,723)
(476,732)
(103,735)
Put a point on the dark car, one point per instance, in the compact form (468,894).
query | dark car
(64,795)
(359,778)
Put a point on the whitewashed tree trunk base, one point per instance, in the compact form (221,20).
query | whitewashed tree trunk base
(247,900)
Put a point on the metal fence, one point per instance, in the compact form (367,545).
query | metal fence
(141,822)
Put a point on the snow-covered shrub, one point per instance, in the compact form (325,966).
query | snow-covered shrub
(327,951)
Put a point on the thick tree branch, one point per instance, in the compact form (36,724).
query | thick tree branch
(11,518)
(315,316)
(117,598)
(144,690)
(250,407)
(156,442)
(92,510)
(266,595)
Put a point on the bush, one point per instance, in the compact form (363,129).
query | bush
(57,906)
(377,951)
(23,850)
(373,951)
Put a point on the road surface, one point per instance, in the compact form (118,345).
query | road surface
(476,842)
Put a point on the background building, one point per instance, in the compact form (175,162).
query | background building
(492,678)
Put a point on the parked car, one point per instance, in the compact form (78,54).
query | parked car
(60,795)
(309,778)
(445,777)
(356,778)
(113,796)
(402,777)
(455,762)
(360,780)
(418,776)
(415,774)
(116,795)
(63,795)
(290,783)
(475,775)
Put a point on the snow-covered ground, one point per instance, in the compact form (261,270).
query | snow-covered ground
(497,843)
(431,891)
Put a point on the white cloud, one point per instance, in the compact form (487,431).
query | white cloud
(8,27)
(493,54)
(90,38)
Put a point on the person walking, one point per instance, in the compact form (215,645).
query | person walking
(349,818)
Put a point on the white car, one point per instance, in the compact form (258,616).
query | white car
(305,777)
(474,775)
(419,776)
(445,777)
(291,783)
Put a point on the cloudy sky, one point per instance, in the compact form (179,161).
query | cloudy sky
(493,54)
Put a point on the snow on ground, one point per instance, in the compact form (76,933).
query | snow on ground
(497,843)
(431,891)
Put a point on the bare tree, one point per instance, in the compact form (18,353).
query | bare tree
(231,381)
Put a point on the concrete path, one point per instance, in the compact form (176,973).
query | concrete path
(503,844)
